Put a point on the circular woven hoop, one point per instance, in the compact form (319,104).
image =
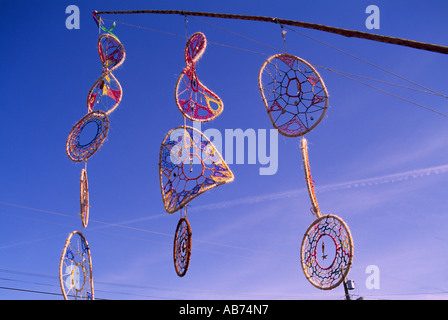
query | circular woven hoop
(332,276)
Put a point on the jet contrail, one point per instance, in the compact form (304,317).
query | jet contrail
(395,177)
(391,178)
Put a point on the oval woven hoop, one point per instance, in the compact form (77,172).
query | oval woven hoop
(84,198)
(80,152)
(111,51)
(182,247)
(293,93)
(75,268)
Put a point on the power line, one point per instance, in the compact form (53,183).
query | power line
(346,75)
(393,94)
(31,291)
(340,73)
(53,285)
(367,62)
(426,90)
(158,289)
(123,226)
(315,26)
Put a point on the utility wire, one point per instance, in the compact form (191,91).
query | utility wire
(31,291)
(396,96)
(341,73)
(365,61)
(121,225)
(181,36)
(426,90)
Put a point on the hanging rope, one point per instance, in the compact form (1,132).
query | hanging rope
(284,39)
(100,24)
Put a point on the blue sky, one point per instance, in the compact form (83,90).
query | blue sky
(379,162)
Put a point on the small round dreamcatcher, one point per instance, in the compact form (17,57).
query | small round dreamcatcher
(327,252)
(75,268)
(182,245)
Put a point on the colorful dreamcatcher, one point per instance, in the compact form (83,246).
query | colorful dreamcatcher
(296,100)
(294,94)
(75,268)
(193,98)
(84,198)
(106,93)
(182,246)
(76,147)
(189,163)
(327,246)
(327,252)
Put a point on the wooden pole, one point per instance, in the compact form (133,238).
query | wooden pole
(340,31)
(347,295)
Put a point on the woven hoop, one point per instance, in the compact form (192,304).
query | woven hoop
(193,98)
(84,198)
(189,165)
(111,51)
(80,152)
(182,247)
(330,276)
(293,93)
(106,93)
(75,268)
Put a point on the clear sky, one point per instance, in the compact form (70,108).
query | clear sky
(379,162)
